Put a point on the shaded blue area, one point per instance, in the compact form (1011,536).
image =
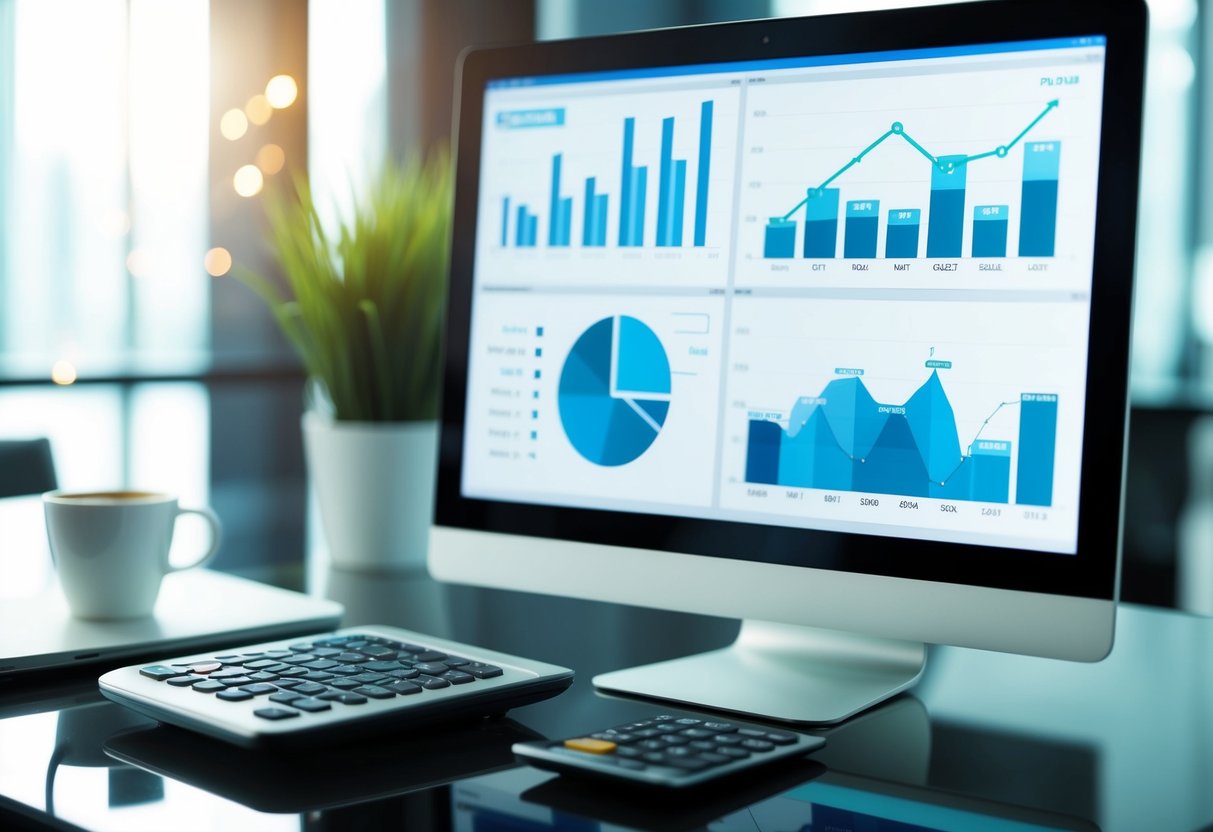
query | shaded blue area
(821,223)
(933,424)
(991,471)
(1038,226)
(895,464)
(704,174)
(780,240)
(1037,446)
(859,235)
(901,234)
(762,452)
(643,366)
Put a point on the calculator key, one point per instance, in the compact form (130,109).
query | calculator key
(310,689)
(319,664)
(729,739)
(233,695)
(236,681)
(368,678)
(757,745)
(614,736)
(183,681)
(299,658)
(688,763)
(285,697)
(455,661)
(350,698)
(686,720)
(345,669)
(324,652)
(431,668)
(344,684)
(316,676)
(277,655)
(430,656)
(590,745)
(159,672)
(259,688)
(260,664)
(382,666)
(310,705)
(481,671)
(403,673)
(350,658)
(455,677)
(698,733)
(715,759)
(752,732)
(262,676)
(379,652)
(704,745)
(646,733)
(779,738)
(227,673)
(300,648)
(652,745)
(287,684)
(720,727)
(628,751)
(673,739)
(375,692)
(431,682)
(736,752)
(403,688)
(294,672)
(275,713)
(208,686)
(204,667)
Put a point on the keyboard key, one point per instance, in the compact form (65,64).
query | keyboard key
(285,697)
(310,689)
(715,759)
(344,684)
(230,657)
(345,669)
(316,676)
(736,752)
(319,664)
(277,655)
(404,673)
(482,671)
(183,681)
(275,713)
(720,727)
(310,705)
(688,763)
(369,678)
(403,688)
(780,738)
(686,720)
(457,678)
(752,732)
(235,681)
(259,688)
(431,668)
(349,658)
(227,673)
(430,656)
(233,695)
(652,745)
(673,739)
(615,736)
(375,692)
(348,698)
(287,684)
(628,751)
(205,667)
(379,652)
(159,672)
(260,664)
(294,672)
(262,676)
(668,727)
(656,757)
(728,739)
(757,745)
(208,686)
(698,733)
(703,745)
(300,648)
(326,652)
(455,661)
(299,658)
(431,682)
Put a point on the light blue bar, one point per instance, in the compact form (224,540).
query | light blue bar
(905,216)
(600,219)
(505,221)
(679,199)
(555,223)
(640,179)
(1041,160)
(701,185)
(591,219)
(520,227)
(665,180)
(627,177)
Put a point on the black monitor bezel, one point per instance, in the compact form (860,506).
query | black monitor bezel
(1092,571)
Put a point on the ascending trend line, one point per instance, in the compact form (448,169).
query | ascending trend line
(898,129)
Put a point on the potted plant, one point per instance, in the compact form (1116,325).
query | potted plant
(363,309)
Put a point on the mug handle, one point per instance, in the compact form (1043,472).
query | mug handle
(216,536)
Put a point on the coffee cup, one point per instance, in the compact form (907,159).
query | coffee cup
(111,548)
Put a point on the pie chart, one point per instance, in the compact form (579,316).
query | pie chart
(614,391)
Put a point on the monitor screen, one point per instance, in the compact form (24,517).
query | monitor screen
(846,293)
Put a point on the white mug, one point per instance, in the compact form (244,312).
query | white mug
(111,548)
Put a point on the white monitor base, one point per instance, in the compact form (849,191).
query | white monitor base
(781,672)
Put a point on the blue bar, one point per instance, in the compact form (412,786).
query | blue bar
(780,239)
(505,221)
(600,219)
(990,230)
(520,227)
(762,452)
(991,462)
(859,235)
(591,219)
(701,182)
(1038,223)
(665,181)
(945,225)
(679,198)
(532,230)
(566,220)
(554,231)
(821,223)
(1037,447)
(625,187)
(640,178)
(901,235)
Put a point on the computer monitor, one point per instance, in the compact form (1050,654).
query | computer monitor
(821,324)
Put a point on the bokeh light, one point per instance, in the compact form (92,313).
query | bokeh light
(270,159)
(233,124)
(248,181)
(258,109)
(139,262)
(281,91)
(63,372)
(217,262)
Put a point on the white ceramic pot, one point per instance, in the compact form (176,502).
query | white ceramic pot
(374,482)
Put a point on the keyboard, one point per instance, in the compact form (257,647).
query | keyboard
(332,685)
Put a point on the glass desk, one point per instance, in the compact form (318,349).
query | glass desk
(984,742)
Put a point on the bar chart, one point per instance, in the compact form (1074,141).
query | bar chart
(843,439)
(944,196)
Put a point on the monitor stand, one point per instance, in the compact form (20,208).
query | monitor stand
(781,672)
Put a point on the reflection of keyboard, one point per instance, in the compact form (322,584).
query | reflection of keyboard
(335,684)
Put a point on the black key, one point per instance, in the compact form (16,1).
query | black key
(682,751)
(703,745)
(379,652)
(310,705)
(698,733)
(728,739)
(350,658)
(299,658)
(352,699)
(404,673)
(627,751)
(715,759)
(780,738)
(375,692)
(382,666)
(233,695)
(656,757)
(757,745)
(668,727)
(287,684)
(455,661)
(345,669)
(277,654)
(664,718)
(310,689)
(159,672)
(277,667)
(652,745)
(285,697)
(317,676)
(236,681)
(686,720)
(732,751)
(432,668)
(644,723)
(227,673)
(260,664)
(300,648)
(344,684)
(369,678)
(457,678)
(646,733)
(411,648)
(325,652)
(294,672)
(752,732)
(431,682)
(275,713)
(253,655)
(262,676)
(330,695)
(333,641)
(184,681)
(202,667)
(403,688)
(617,737)
(688,763)
(482,671)
(259,688)
(319,664)
(430,656)
(673,739)
(209,686)
(230,657)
